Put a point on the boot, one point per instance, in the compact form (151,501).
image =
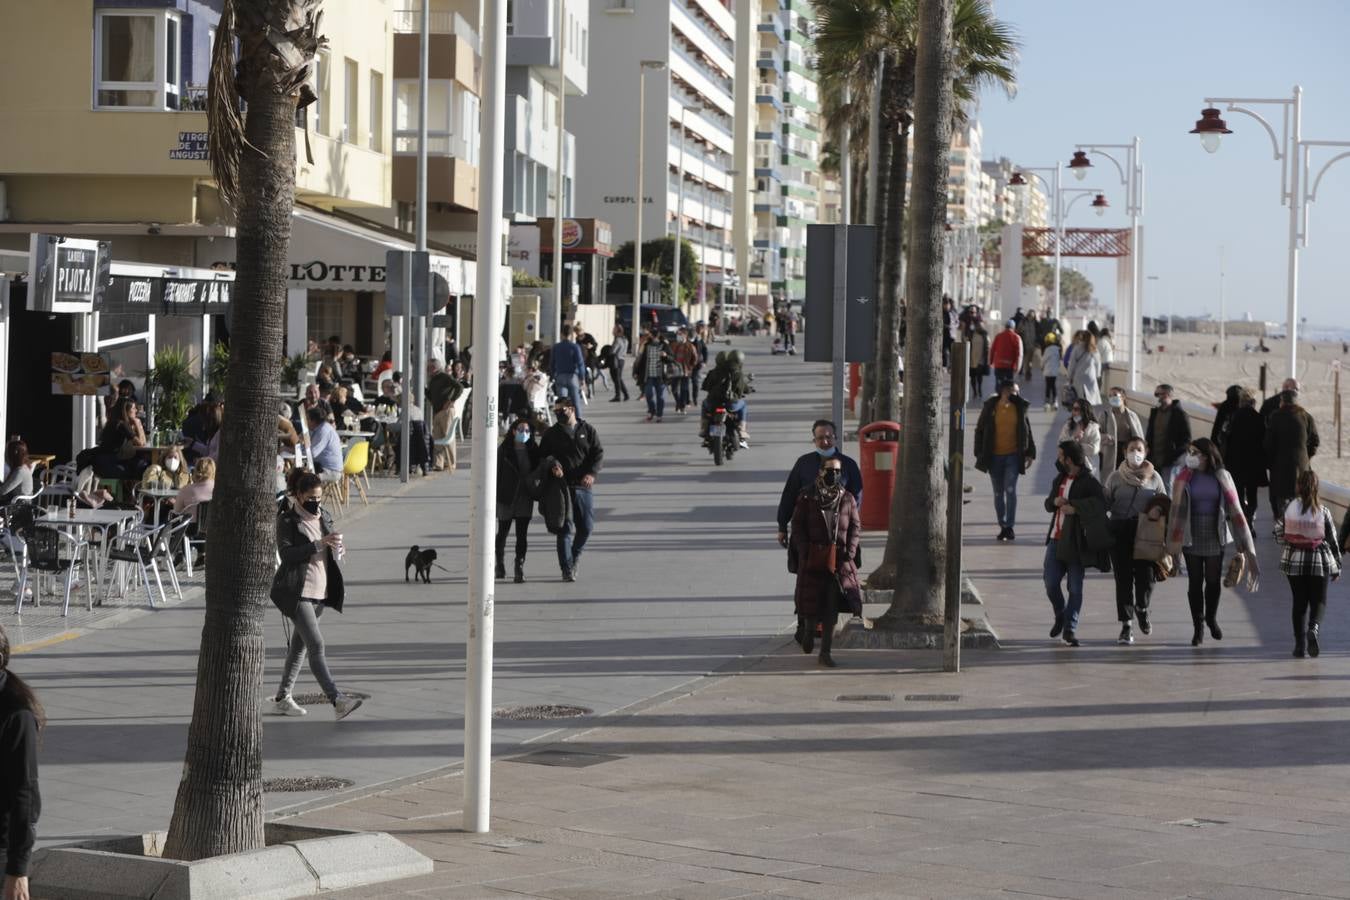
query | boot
(809,637)
(801,630)
(1199,637)
(501,567)
(520,570)
(826,642)
(1314,648)
(1214,630)
(1300,646)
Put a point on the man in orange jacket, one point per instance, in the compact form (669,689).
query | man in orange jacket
(1005,354)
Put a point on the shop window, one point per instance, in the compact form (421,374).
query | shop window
(137,59)
(326,316)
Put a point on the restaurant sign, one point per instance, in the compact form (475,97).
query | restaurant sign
(140,295)
(80,374)
(63,273)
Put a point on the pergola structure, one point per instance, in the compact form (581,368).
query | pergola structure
(1092,242)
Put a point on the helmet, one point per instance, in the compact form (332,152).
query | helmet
(721,357)
(1051,338)
(736,357)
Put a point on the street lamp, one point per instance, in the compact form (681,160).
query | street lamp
(643,67)
(560,35)
(1100,205)
(1132,179)
(1061,209)
(1298,185)
(679,209)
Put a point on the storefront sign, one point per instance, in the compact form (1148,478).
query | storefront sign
(522,248)
(132,295)
(80,374)
(192,145)
(62,273)
(579,236)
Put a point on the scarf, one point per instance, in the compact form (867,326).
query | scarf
(1136,477)
(827,498)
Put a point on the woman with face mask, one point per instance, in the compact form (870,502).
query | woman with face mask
(1119,426)
(825,533)
(1130,493)
(517,457)
(1082,428)
(175,467)
(1206,517)
(307,582)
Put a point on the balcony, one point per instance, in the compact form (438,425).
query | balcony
(771,94)
(772,23)
(451,57)
(770,59)
(450,182)
(409,21)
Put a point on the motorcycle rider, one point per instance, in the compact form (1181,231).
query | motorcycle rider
(727,386)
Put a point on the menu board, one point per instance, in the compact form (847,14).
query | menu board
(80,374)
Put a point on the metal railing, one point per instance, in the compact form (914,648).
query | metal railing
(409,21)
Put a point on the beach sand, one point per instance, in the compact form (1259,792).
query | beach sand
(1188,362)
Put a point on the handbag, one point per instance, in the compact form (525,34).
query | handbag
(1150,540)
(820,558)
(1237,566)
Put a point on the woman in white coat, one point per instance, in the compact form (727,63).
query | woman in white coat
(1085,369)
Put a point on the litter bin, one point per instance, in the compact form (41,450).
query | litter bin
(854,383)
(879,449)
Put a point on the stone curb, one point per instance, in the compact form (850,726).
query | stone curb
(298,862)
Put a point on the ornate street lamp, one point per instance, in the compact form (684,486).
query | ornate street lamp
(1080,164)
(1211,127)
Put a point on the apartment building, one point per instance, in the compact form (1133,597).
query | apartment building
(1027,205)
(687,124)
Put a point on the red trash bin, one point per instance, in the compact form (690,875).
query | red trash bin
(879,449)
(854,383)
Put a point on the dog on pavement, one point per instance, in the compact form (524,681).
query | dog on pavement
(421,560)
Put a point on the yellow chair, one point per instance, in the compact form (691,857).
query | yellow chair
(353,468)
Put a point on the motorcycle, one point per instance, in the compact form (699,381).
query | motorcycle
(724,434)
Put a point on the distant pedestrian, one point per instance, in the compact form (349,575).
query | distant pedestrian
(1067,554)
(567,363)
(1168,432)
(1106,348)
(1085,369)
(1131,493)
(650,367)
(1206,517)
(572,448)
(1051,364)
(700,342)
(517,458)
(1005,354)
(1224,411)
(1119,425)
(1246,454)
(1291,443)
(21,721)
(686,357)
(1005,448)
(1310,557)
(825,532)
(803,474)
(618,354)
(1082,428)
(1028,330)
(978,339)
(307,582)
(1272,403)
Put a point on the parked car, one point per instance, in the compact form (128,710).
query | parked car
(669,318)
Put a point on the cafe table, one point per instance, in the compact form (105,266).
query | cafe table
(160,496)
(101,520)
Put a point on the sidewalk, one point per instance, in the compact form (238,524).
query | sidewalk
(1158,770)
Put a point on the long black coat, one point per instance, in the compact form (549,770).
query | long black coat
(514,495)
(1073,542)
(1291,441)
(296,550)
(1245,455)
(809,527)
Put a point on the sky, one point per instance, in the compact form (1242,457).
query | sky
(1092,71)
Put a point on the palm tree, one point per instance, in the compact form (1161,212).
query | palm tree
(855,38)
(219,806)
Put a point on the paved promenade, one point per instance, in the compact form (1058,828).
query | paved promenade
(1158,770)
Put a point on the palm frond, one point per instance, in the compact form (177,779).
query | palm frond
(226,129)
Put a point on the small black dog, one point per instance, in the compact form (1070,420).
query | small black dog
(421,560)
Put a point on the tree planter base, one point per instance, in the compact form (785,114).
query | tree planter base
(878,633)
(297,862)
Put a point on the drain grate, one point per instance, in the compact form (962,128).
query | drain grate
(933,698)
(305,783)
(542,711)
(865,698)
(565,758)
(317,699)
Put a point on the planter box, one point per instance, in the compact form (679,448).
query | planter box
(297,862)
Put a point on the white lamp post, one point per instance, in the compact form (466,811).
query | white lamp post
(643,66)
(1132,179)
(679,210)
(560,29)
(1298,186)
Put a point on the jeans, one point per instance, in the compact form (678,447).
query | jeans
(680,390)
(1050,396)
(582,523)
(1003,473)
(654,389)
(1134,577)
(620,389)
(1249,495)
(305,637)
(1310,600)
(1204,574)
(522,536)
(571,386)
(1055,572)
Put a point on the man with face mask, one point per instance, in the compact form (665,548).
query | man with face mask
(1119,426)
(1168,434)
(804,471)
(572,451)
(1066,555)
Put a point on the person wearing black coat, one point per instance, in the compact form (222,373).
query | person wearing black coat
(517,458)
(307,581)
(1066,555)
(1168,432)
(21,719)
(573,453)
(1223,418)
(1244,453)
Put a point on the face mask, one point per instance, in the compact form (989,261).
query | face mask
(1075,418)
(311,507)
(522,437)
(1192,460)
(1116,401)
(171,464)
(1061,468)
(1135,458)
(830,477)
(826,452)
(1162,401)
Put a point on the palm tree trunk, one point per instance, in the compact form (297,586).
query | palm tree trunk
(219,806)
(919,553)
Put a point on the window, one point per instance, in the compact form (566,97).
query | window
(321,113)
(350,96)
(440,121)
(137,59)
(376,137)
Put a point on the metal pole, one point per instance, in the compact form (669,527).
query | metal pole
(1059,236)
(1295,210)
(482,508)
(1136,199)
(841,278)
(637,235)
(405,406)
(416,378)
(556,324)
(677,298)
(703,253)
(956,451)
(1223,333)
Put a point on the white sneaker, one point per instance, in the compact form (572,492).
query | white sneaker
(344,706)
(287,706)
(745,445)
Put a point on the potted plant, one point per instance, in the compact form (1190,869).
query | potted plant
(293,368)
(218,368)
(170,387)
